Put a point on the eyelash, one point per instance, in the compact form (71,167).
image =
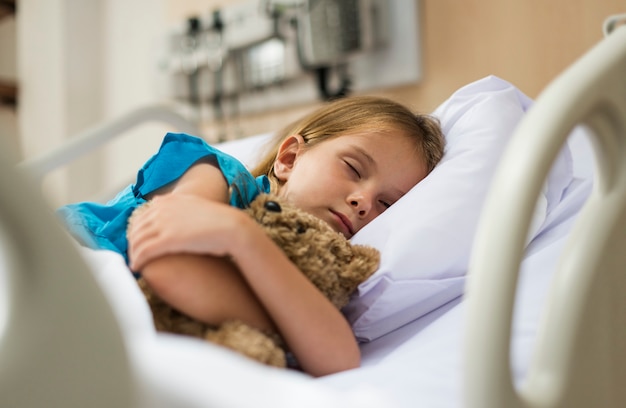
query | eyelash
(354,170)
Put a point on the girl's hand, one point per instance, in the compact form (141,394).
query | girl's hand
(181,223)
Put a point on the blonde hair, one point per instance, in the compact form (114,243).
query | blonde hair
(356,114)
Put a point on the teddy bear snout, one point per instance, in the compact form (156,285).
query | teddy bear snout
(272,206)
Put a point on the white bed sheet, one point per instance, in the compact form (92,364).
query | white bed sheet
(180,371)
(419,364)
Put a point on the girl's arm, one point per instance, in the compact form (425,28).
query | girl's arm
(315,330)
(208,288)
(194,219)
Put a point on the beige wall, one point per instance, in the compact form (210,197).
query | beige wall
(527,42)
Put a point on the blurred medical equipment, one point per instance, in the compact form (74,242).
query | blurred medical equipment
(269,54)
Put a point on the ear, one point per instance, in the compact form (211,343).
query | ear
(288,152)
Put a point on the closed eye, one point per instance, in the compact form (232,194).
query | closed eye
(353,169)
(385,204)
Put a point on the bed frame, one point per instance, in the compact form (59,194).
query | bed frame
(57,315)
(83,143)
(52,326)
(580,358)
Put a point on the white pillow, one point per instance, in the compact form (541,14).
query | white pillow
(248,150)
(426,238)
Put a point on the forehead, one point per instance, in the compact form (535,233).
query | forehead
(381,145)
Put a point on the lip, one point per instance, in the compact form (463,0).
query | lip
(344,223)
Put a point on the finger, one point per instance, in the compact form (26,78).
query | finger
(140,233)
(139,255)
(139,237)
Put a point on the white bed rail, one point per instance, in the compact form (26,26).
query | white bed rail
(580,355)
(60,345)
(93,138)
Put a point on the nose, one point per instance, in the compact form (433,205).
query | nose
(361,204)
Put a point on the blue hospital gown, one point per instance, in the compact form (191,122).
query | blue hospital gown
(103,226)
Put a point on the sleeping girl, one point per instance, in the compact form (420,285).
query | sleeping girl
(345,163)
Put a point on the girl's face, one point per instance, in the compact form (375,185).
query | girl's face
(348,180)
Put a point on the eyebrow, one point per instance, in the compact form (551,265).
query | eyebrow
(366,155)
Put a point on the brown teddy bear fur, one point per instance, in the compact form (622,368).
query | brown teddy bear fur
(327,258)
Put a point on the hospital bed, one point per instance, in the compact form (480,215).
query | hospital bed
(501,284)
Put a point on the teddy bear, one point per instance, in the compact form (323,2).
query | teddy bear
(333,264)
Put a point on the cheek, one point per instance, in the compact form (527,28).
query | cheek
(310,195)
(296,191)
(310,183)
(411,174)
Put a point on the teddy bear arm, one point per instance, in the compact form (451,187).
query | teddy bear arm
(364,262)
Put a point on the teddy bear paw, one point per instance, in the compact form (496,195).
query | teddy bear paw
(248,341)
